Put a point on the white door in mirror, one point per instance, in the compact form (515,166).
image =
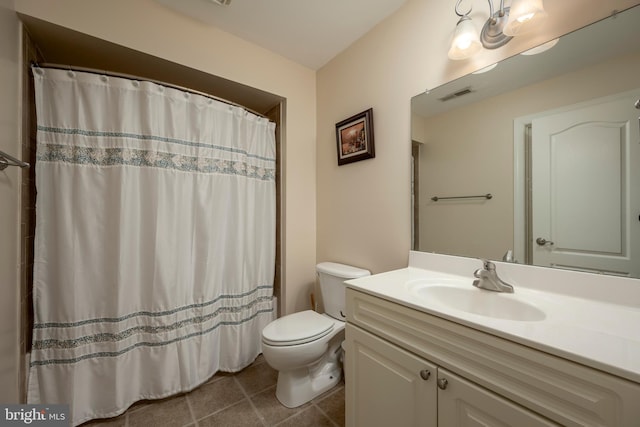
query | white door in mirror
(584,214)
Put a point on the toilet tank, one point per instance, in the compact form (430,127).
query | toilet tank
(331,276)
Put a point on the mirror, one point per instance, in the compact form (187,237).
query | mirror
(539,156)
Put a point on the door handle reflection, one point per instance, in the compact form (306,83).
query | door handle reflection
(543,242)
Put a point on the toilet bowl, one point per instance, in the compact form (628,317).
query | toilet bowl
(305,347)
(308,366)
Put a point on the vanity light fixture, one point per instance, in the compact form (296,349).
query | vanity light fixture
(498,30)
(466,41)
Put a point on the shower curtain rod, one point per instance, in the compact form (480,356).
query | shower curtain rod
(132,77)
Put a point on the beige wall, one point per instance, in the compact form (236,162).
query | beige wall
(149,27)
(364,208)
(9,204)
(484,150)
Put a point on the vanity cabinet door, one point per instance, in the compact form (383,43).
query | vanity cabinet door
(464,404)
(385,385)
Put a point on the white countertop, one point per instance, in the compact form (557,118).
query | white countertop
(601,334)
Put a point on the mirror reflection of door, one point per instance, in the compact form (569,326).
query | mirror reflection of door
(585,210)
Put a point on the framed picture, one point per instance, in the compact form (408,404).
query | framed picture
(354,137)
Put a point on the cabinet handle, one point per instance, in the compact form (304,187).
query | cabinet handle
(442,383)
(425,374)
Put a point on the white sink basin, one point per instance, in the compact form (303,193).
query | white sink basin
(463,296)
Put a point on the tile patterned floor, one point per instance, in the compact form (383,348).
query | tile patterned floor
(246,398)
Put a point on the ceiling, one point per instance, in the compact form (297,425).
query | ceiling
(310,33)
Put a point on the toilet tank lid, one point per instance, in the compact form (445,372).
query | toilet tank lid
(341,270)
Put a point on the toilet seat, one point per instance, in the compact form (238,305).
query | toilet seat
(297,328)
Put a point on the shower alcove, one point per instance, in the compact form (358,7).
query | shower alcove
(44,42)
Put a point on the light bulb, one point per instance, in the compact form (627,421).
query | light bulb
(466,41)
(524,15)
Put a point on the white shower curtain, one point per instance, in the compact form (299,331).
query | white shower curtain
(155,241)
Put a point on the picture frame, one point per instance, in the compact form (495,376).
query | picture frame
(354,138)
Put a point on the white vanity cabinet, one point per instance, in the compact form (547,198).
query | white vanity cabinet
(388,386)
(405,367)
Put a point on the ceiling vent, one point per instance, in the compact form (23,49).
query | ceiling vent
(221,2)
(457,94)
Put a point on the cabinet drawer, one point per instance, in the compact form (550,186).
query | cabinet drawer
(566,392)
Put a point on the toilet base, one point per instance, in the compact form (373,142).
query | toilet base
(296,388)
(299,386)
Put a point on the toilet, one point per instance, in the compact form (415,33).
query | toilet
(305,347)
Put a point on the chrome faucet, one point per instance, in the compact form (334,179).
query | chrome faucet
(487,278)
